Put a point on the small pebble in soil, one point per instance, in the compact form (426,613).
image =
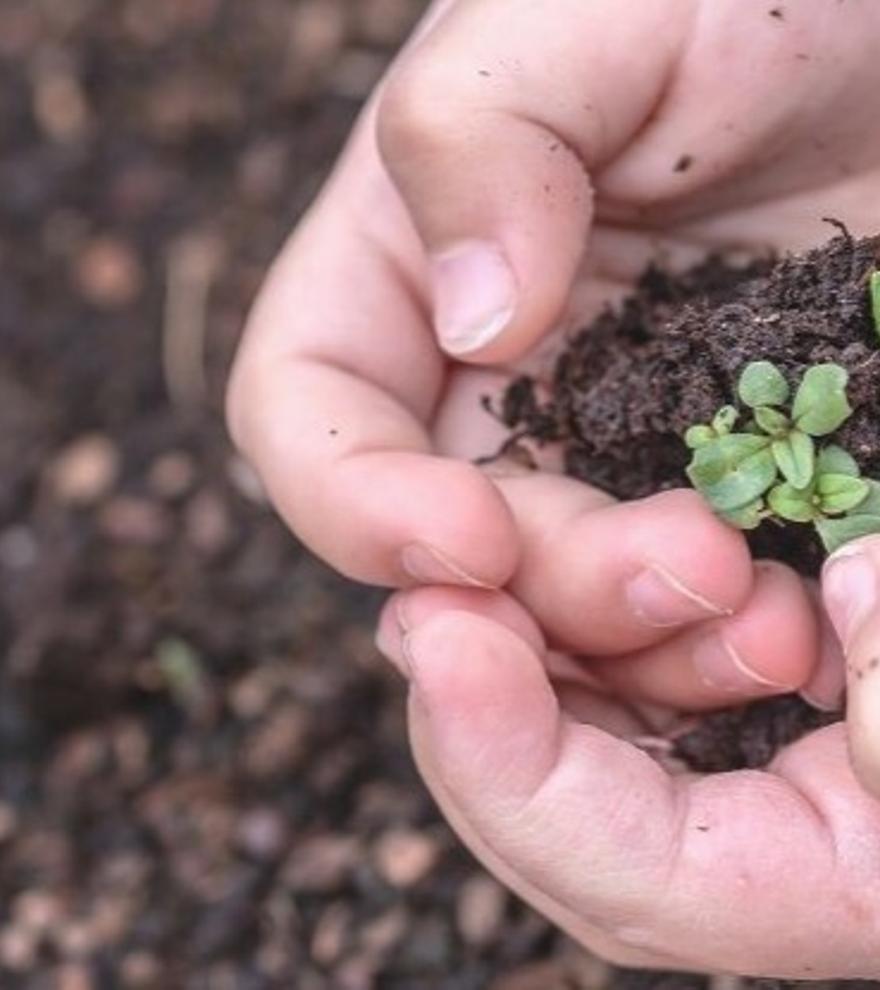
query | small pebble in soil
(108,273)
(404,857)
(85,470)
(172,474)
(480,909)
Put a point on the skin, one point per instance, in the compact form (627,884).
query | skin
(562,145)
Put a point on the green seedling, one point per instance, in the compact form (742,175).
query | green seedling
(774,469)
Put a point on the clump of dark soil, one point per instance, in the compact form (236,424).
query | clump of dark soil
(629,385)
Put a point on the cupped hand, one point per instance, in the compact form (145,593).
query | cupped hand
(516,170)
(518,167)
(541,771)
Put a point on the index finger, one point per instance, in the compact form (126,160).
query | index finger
(333,385)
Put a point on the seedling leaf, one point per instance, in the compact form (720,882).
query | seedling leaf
(725,420)
(820,405)
(795,456)
(762,384)
(792,503)
(698,436)
(837,532)
(733,471)
(772,422)
(835,460)
(840,493)
(748,517)
(862,521)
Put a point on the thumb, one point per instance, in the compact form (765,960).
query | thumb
(566,814)
(491,126)
(851,590)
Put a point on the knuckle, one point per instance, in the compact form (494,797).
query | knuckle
(417,115)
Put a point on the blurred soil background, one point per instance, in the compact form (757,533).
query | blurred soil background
(204,780)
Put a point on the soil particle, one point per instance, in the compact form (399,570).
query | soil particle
(748,737)
(684,163)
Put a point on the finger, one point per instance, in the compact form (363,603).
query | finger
(827,684)
(489,683)
(606,579)
(742,872)
(337,376)
(770,646)
(405,610)
(851,584)
(491,151)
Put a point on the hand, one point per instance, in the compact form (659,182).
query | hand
(538,128)
(509,136)
(767,873)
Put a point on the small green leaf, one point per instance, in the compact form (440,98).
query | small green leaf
(840,493)
(795,456)
(820,405)
(871,505)
(862,521)
(733,471)
(725,420)
(835,460)
(772,422)
(837,532)
(792,503)
(748,517)
(699,436)
(762,384)
(875,300)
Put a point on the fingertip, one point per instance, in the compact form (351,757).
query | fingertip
(483,704)
(415,519)
(679,532)
(768,647)
(407,610)
(775,637)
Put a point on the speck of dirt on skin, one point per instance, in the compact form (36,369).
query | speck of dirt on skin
(874,663)
(334,433)
(484,72)
(702,828)
(802,56)
(778,13)
(684,163)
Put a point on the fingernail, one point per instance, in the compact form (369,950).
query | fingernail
(474,295)
(849,584)
(427,565)
(721,667)
(659,599)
